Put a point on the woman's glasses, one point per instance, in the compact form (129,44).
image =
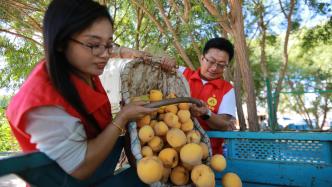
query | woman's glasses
(97,50)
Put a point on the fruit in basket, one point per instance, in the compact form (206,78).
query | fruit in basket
(161,110)
(172,120)
(179,176)
(160,128)
(146,133)
(202,176)
(187,126)
(184,115)
(171,108)
(170,135)
(169,157)
(218,162)
(194,136)
(145,120)
(161,117)
(205,150)
(231,180)
(153,123)
(156,143)
(191,153)
(166,174)
(150,169)
(155,95)
(153,115)
(187,166)
(140,98)
(184,106)
(176,138)
(171,95)
(146,151)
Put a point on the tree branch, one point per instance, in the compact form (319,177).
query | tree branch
(177,43)
(185,18)
(282,9)
(14,17)
(153,19)
(214,12)
(22,5)
(21,36)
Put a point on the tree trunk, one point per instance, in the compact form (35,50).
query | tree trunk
(283,70)
(263,64)
(301,105)
(140,15)
(325,110)
(237,87)
(243,62)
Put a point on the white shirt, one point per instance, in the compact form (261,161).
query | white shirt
(59,135)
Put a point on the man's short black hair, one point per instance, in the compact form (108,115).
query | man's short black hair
(221,44)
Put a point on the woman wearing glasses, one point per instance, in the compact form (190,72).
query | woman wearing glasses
(62,108)
(207,84)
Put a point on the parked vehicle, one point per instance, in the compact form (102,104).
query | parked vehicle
(285,121)
(299,125)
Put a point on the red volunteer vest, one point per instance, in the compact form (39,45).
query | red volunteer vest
(211,93)
(38,91)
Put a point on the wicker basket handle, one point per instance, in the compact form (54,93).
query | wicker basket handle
(174,101)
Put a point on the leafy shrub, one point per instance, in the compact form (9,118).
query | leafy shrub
(8,142)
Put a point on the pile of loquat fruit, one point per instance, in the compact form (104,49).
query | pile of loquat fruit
(173,151)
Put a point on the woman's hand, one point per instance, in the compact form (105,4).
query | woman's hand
(134,110)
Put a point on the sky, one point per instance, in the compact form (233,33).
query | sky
(308,17)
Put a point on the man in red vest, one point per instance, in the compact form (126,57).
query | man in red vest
(207,84)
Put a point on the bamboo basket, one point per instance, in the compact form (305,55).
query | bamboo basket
(138,77)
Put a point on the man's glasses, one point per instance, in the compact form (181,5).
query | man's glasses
(98,50)
(214,63)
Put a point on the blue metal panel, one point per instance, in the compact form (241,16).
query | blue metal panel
(280,173)
(322,136)
(278,159)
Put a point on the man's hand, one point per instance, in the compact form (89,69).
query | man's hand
(224,122)
(197,111)
(231,122)
(168,64)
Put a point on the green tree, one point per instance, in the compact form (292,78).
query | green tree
(7,141)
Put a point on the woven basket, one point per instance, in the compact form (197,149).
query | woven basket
(138,78)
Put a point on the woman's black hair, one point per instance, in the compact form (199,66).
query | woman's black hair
(64,18)
(220,43)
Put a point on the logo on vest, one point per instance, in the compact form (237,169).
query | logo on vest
(212,101)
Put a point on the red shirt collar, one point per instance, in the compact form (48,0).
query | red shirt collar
(216,82)
(92,98)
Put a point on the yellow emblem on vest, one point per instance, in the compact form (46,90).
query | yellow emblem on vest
(212,101)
